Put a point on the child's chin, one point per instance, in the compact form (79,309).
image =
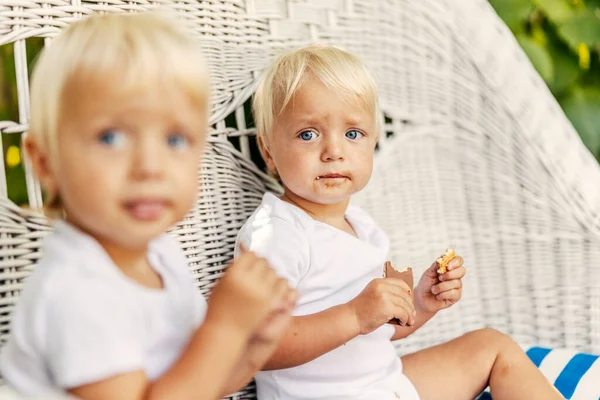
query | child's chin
(141,234)
(330,199)
(135,241)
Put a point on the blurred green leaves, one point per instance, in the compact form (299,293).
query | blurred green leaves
(513,12)
(583,28)
(582,105)
(562,40)
(9,111)
(539,55)
(558,11)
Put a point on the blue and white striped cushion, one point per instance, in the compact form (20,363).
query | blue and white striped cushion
(575,375)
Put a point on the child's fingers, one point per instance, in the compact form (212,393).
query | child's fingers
(432,270)
(279,294)
(245,260)
(284,297)
(269,273)
(256,269)
(446,286)
(402,315)
(259,266)
(404,312)
(292,297)
(457,273)
(455,263)
(403,302)
(243,249)
(397,286)
(450,295)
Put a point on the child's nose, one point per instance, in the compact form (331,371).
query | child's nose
(148,162)
(333,149)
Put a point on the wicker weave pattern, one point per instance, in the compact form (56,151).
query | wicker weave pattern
(476,154)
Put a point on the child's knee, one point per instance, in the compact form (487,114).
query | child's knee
(491,340)
(487,334)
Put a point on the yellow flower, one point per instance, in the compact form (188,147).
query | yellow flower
(13,156)
(539,36)
(584,56)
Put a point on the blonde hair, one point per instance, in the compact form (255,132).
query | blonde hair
(133,51)
(337,69)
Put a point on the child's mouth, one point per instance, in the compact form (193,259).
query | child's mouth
(332,176)
(146,209)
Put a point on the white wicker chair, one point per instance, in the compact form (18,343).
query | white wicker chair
(476,154)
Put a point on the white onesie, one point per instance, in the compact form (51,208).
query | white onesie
(80,319)
(328,267)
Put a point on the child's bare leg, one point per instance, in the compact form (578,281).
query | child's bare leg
(462,368)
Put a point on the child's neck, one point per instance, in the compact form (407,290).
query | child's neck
(132,261)
(331,214)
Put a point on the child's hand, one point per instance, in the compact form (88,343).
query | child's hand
(276,322)
(381,301)
(438,291)
(265,340)
(247,293)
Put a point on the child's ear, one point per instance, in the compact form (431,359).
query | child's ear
(266,155)
(40,161)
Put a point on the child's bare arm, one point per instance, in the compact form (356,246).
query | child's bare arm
(404,331)
(199,374)
(264,342)
(311,336)
(237,306)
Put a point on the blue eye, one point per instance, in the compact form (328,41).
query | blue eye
(354,134)
(178,141)
(307,135)
(112,138)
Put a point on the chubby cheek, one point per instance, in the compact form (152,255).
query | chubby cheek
(186,191)
(364,171)
(84,179)
(295,169)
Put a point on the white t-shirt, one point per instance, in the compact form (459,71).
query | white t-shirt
(80,320)
(328,267)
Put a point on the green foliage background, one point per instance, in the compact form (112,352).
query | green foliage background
(561,38)
(9,111)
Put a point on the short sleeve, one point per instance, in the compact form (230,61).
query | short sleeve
(283,245)
(93,333)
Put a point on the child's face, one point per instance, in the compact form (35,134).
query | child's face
(127,162)
(322,146)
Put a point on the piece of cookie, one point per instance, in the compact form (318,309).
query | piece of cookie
(405,275)
(443,261)
(389,271)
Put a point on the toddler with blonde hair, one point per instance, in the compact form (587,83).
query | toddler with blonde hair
(316,113)
(119,114)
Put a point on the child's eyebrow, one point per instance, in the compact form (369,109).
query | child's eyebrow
(316,120)
(302,122)
(355,120)
(309,120)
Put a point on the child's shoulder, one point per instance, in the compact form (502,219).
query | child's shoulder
(276,226)
(74,266)
(61,290)
(275,214)
(68,268)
